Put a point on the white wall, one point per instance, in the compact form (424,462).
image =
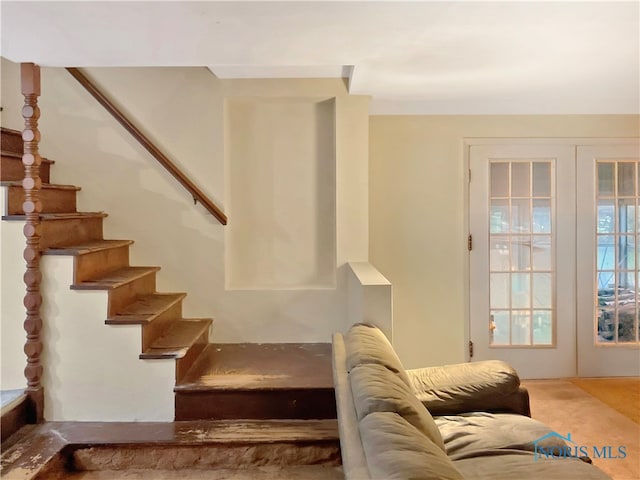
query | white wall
(417,216)
(12,312)
(183,110)
(370,297)
(91,370)
(84,360)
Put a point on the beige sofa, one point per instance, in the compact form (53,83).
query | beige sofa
(480,428)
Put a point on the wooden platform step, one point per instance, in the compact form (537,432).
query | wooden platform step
(12,169)
(95,257)
(124,286)
(56,449)
(115,279)
(86,248)
(179,337)
(11,143)
(146,309)
(60,229)
(183,340)
(54,198)
(11,140)
(258,381)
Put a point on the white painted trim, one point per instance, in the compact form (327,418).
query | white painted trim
(370,297)
(367,274)
(577,141)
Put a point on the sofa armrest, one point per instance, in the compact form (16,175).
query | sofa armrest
(488,386)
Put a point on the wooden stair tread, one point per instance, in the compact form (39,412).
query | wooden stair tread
(9,131)
(267,431)
(52,186)
(255,366)
(186,432)
(60,216)
(145,309)
(6,153)
(115,279)
(178,338)
(87,247)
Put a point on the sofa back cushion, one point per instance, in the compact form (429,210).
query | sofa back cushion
(396,450)
(354,463)
(366,344)
(376,389)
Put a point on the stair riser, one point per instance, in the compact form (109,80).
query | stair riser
(153,330)
(12,170)
(126,294)
(12,142)
(184,364)
(210,456)
(256,404)
(53,200)
(61,232)
(92,265)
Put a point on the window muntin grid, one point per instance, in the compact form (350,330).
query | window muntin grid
(521,260)
(617,252)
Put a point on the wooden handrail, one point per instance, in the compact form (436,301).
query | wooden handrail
(197,194)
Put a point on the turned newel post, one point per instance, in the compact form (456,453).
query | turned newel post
(30,78)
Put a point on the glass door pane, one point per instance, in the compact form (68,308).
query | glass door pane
(616,271)
(521,268)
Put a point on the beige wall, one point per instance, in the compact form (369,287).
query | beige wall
(417,216)
(183,109)
(281,163)
(415,183)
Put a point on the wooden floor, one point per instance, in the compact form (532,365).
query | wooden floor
(622,393)
(566,408)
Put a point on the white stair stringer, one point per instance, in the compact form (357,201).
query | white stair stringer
(92,371)
(12,311)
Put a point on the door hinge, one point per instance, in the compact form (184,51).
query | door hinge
(470,349)
(469,175)
(470,242)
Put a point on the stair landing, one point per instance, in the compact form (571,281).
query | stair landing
(280,449)
(258,381)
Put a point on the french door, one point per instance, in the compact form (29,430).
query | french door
(608,251)
(553,270)
(522,266)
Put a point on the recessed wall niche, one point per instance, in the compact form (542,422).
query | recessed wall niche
(280,158)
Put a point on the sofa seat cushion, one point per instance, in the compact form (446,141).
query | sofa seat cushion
(396,450)
(470,434)
(377,389)
(510,464)
(366,344)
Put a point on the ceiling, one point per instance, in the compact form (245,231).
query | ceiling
(411,57)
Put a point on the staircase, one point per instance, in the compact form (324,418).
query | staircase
(212,381)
